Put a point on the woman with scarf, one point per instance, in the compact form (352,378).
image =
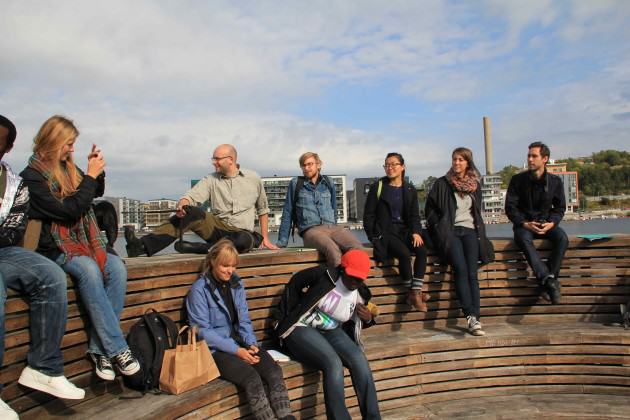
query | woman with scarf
(61,198)
(453,211)
(392,223)
(217,306)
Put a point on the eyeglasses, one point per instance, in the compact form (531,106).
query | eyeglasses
(219,158)
(391,165)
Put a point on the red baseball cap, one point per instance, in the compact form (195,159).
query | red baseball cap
(356,263)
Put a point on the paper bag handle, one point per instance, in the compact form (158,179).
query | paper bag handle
(192,337)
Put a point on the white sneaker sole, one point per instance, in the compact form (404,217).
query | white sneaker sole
(104,376)
(129,372)
(79,394)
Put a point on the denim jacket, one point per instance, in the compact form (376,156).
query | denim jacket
(316,205)
(207,311)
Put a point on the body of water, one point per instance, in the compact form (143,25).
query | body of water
(503,230)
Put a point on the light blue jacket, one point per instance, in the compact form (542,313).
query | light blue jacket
(316,205)
(207,311)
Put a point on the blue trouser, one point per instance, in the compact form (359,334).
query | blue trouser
(45,285)
(103,300)
(463,255)
(525,240)
(329,351)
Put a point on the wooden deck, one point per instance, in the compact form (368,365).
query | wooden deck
(531,347)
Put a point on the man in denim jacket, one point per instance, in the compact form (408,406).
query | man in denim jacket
(315,213)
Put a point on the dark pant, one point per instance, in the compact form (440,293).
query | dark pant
(44,282)
(329,351)
(463,255)
(251,377)
(525,240)
(207,226)
(399,246)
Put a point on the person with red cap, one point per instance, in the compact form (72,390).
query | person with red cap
(319,322)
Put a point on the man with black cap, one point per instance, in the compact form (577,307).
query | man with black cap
(535,205)
(322,328)
(40,278)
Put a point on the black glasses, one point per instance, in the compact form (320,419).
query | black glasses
(391,165)
(219,158)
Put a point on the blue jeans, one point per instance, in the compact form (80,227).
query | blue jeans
(45,284)
(103,300)
(329,351)
(463,255)
(525,240)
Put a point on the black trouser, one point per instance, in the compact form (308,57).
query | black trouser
(399,246)
(251,377)
(525,240)
(208,227)
(463,255)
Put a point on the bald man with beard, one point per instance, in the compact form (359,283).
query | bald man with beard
(236,198)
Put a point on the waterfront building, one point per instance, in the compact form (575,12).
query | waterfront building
(129,211)
(570,182)
(156,219)
(276,190)
(352,206)
(361,188)
(492,200)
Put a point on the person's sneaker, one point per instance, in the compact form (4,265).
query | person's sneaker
(126,363)
(6,412)
(474,326)
(59,386)
(414,298)
(553,288)
(134,246)
(104,368)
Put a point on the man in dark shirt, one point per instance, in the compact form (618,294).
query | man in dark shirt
(535,205)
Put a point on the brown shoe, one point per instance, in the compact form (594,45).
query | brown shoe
(414,298)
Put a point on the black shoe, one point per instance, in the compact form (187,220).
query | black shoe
(553,288)
(104,369)
(186,247)
(134,246)
(126,363)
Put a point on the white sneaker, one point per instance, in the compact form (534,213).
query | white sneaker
(6,412)
(59,386)
(474,326)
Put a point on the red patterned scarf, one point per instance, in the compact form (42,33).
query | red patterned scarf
(84,238)
(465,185)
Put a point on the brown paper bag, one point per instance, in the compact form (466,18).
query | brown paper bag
(187,366)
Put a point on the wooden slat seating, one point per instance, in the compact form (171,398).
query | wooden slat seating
(530,347)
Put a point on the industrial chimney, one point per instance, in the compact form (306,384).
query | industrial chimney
(487,136)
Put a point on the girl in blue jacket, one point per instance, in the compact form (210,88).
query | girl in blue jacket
(217,307)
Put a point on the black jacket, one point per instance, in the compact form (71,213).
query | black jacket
(440,212)
(377,217)
(523,204)
(304,291)
(48,208)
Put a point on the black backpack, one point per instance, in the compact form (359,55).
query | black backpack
(148,338)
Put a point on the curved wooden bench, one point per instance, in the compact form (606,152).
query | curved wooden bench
(530,347)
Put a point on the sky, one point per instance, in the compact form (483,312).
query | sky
(157,85)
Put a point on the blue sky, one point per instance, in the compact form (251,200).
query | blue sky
(157,84)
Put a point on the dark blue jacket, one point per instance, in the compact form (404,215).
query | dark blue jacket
(207,311)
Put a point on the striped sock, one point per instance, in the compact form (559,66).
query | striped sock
(416,284)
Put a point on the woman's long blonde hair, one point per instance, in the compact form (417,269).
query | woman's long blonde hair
(49,141)
(221,252)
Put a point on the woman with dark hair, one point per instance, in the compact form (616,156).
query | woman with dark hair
(61,197)
(217,306)
(453,211)
(392,223)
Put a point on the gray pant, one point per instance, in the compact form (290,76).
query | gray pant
(331,241)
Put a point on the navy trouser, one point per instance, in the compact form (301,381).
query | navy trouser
(525,240)
(329,351)
(463,255)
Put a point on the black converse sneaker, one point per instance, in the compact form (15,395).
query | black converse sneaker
(104,368)
(126,363)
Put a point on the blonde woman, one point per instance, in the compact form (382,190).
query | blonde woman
(61,197)
(217,306)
